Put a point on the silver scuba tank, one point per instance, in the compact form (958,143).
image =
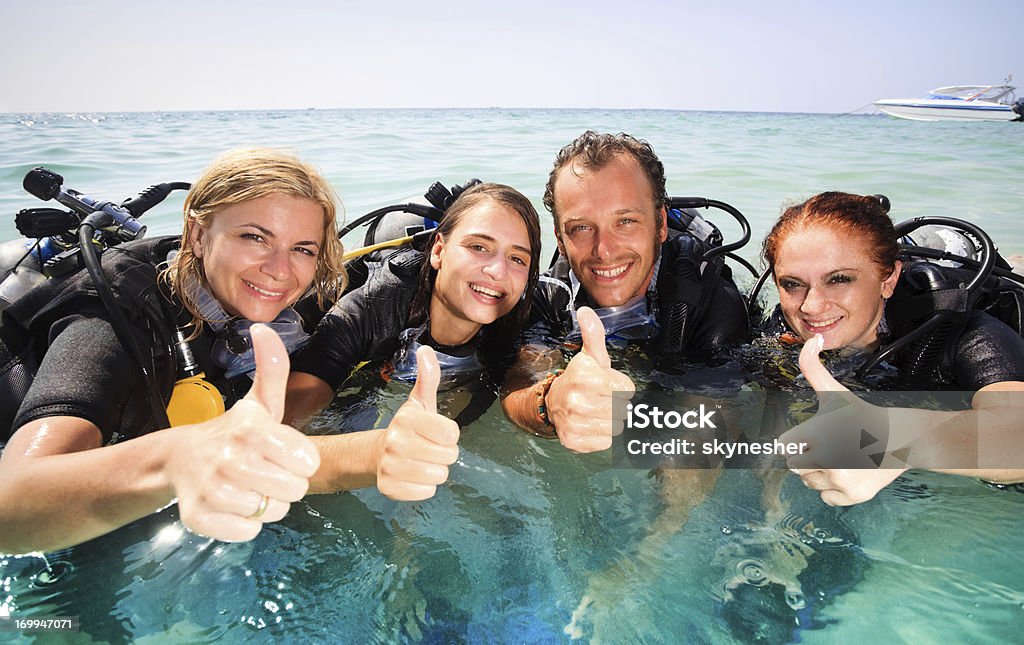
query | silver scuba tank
(20,270)
(946,239)
(397,225)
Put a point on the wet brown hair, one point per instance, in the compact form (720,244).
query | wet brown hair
(507,328)
(593,151)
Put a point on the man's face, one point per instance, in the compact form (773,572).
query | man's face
(608,228)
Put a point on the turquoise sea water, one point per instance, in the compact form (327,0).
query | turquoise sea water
(524,530)
(376,157)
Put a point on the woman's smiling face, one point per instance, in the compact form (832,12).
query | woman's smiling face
(829,284)
(260,256)
(482,270)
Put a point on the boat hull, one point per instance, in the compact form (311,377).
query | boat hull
(947,110)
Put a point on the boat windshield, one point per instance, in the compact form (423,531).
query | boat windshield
(972,92)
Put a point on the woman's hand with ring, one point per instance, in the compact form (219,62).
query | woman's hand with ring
(234,473)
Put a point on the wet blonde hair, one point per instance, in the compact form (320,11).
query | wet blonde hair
(243,175)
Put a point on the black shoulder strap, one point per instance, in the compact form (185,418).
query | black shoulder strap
(686,285)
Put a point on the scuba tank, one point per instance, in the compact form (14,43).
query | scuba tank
(23,269)
(27,263)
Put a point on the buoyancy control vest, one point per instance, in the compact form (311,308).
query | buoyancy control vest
(131,270)
(933,296)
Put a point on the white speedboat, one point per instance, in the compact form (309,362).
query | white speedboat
(959,103)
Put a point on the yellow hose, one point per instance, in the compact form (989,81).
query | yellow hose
(355,253)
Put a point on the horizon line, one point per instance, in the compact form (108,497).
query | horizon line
(493,107)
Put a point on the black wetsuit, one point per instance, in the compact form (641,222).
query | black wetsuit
(367,323)
(83,369)
(986,352)
(719,319)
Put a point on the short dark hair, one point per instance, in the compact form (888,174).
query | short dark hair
(593,151)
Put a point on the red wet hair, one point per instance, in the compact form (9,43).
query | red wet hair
(857,215)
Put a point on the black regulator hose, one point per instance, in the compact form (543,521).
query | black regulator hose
(704,202)
(122,330)
(437,194)
(935,324)
(743,262)
(925,344)
(752,298)
(422,210)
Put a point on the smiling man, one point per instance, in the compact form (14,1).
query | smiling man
(618,257)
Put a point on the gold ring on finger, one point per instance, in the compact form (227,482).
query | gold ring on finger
(264,503)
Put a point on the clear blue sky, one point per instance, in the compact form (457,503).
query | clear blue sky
(800,56)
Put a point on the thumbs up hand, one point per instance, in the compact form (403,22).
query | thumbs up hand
(235,472)
(592,330)
(579,402)
(845,431)
(414,453)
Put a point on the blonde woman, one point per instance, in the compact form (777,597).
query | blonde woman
(87,452)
